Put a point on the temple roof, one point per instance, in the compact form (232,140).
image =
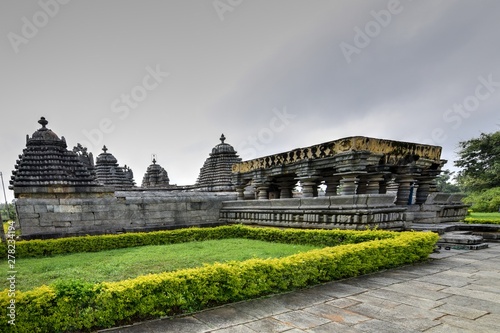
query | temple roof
(109,173)
(215,175)
(46,162)
(155,176)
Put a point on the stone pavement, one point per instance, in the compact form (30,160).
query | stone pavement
(456,291)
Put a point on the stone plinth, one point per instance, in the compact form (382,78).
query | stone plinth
(344,212)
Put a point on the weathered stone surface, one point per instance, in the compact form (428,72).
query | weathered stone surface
(46,162)
(109,215)
(109,173)
(215,175)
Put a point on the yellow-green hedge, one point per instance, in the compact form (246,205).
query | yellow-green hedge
(471,220)
(40,248)
(76,306)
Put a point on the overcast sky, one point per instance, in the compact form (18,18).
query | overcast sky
(168,77)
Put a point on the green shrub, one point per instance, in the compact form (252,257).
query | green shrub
(485,201)
(76,306)
(471,220)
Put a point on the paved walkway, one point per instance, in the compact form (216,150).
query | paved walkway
(457,291)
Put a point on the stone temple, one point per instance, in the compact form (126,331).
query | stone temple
(109,173)
(366,183)
(46,162)
(215,175)
(155,177)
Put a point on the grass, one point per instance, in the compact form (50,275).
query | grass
(485,216)
(489,218)
(121,264)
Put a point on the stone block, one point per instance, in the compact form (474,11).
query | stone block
(25,216)
(437,198)
(30,223)
(361,200)
(86,216)
(380,200)
(35,230)
(293,203)
(46,220)
(61,216)
(95,208)
(26,209)
(158,215)
(41,208)
(68,209)
(62,224)
(315,203)
(456,198)
(342,201)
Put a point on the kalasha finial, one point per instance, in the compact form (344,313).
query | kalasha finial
(222,138)
(43,122)
(153,158)
(104,149)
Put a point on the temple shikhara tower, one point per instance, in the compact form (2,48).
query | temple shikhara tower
(47,165)
(215,175)
(109,173)
(155,176)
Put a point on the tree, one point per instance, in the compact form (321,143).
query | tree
(443,182)
(8,213)
(479,159)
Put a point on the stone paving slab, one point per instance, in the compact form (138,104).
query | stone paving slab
(456,291)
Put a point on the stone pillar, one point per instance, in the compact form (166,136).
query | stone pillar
(286,187)
(262,191)
(309,187)
(349,183)
(240,189)
(362,185)
(374,182)
(403,196)
(332,183)
(424,187)
(392,188)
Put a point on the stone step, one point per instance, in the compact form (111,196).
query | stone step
(493,237)
(437,228)
(449,246)
(459,237)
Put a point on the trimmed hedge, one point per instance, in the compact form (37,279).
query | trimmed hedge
(471,220)
(42,248)
(73,306)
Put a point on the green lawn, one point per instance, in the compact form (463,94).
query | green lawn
(485,216)
(116,265)
(489,218)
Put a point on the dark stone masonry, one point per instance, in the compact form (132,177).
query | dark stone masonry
(351,183)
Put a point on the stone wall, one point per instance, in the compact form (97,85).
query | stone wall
(344,212)
(440,208)
(61,215)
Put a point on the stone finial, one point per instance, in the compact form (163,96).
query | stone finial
(104,149)
(43,122)
(153,158)
(222,138)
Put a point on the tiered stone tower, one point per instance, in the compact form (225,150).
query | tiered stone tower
(215,175)
(46,165)
(109,173)
(155,177)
